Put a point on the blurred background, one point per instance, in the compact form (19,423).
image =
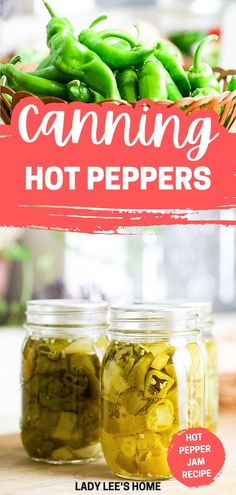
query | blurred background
(22,27)
(192,263)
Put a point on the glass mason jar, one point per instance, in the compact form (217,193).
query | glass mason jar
(60,380)
(152,387)
(209,348)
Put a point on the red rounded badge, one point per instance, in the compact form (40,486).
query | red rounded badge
(196,456)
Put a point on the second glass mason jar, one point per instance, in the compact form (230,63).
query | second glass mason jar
(61,368)
(152,387)
(209,348)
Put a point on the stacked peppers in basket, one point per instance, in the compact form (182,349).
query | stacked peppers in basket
(111,64)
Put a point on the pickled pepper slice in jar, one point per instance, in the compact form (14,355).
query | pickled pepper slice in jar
(65,426)
(160,361)
(37,443)
(133,401)
(109,445)
(32,416)
(87,452)
(47,365)
(80,346)
(167,435)
(113,382)
(128,425)
(85,361)
(64,453)
(79,380)
(151,454)
(50,352)
(150,465)
(29,357)
(150,441)
(172,395)
(127,464)
(128,445)
(125,358)
(159,348)
(160,416)
(137,375)
(170,370)
(157,384)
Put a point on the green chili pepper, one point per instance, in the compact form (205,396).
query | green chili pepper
(8,98)
(203,92)
(73,58)
(200,74)
(80,92)
(3,81)
(185,40)
(152,81)
(170,48)
(97,97)
(114,56)
(20,81)
(115,34)
(45,63)
(118,43)
(116,37)
(172,90)
(127,81)
(232,84)
(52,73)
(15,59)
(175,70)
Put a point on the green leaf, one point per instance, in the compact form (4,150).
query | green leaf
(16,252)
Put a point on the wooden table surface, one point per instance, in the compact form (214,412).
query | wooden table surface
(21,476)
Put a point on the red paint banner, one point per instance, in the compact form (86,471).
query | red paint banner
(93,168)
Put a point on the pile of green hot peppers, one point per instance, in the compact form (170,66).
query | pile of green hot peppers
(111,64)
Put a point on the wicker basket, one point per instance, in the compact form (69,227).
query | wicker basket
(224,104)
